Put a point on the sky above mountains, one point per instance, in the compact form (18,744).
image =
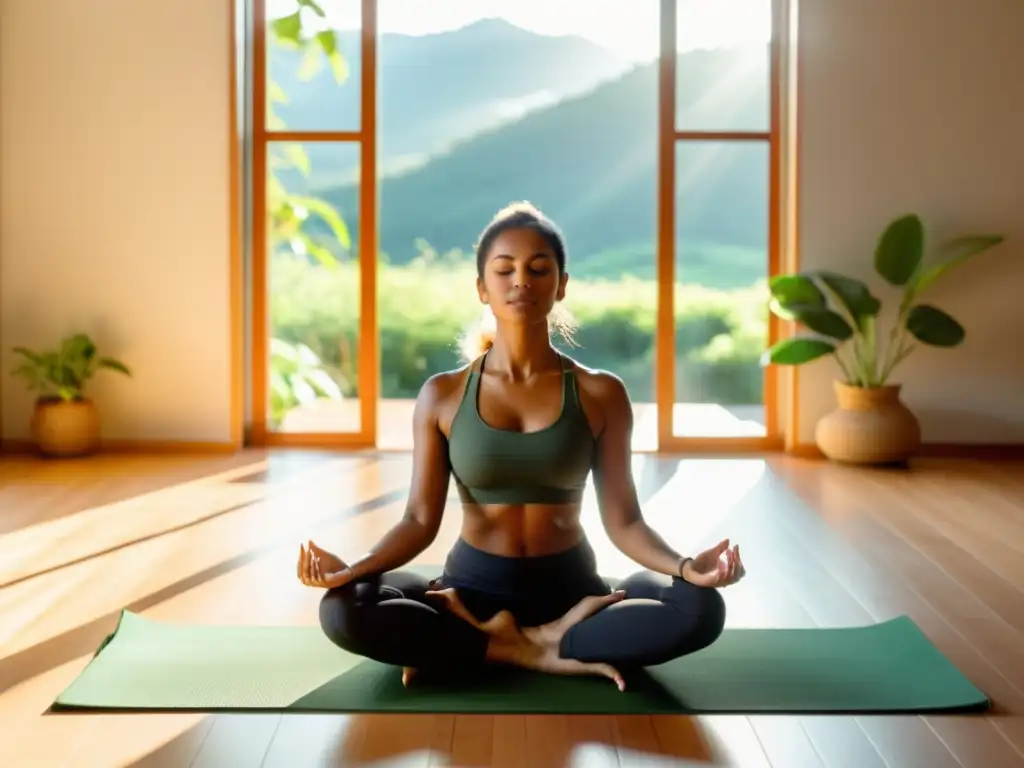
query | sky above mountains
(628,28)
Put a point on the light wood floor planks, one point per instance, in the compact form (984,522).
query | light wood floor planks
(214,539)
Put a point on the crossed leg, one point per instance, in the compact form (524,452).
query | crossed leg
(392,619)
(660,619)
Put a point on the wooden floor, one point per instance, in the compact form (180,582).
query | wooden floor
(214,540)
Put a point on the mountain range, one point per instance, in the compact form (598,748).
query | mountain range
(472,119)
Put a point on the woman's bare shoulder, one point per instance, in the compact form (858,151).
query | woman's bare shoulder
(440,395)
(603,397)
(605,387)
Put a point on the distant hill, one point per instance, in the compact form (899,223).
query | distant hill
(435,89)
(591,163)
(455,149)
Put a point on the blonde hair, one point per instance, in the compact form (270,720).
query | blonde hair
(480,336)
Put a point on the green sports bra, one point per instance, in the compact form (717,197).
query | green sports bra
(498,466)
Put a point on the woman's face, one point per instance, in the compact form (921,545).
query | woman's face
(521,280)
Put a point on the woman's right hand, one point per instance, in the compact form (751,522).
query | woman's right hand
(319,568)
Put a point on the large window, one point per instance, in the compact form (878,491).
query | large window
(388,132)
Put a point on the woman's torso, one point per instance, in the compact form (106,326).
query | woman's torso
(520,454)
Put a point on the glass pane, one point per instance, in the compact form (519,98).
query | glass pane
(721,320)
(496,104)
(313,288)
(313,65)
(723,65)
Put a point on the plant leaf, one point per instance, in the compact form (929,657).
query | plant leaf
(302,389)
(276,94)
(310,65)
(313,6)
(288,29)
(930,325)
(298,157)
(900,250)
(818,319)
(324,385)
(795,289)
(114,365)
(328,41)
(852,294)
(330,216)
(35,357)
(797,351)
(953,253)
(279,386)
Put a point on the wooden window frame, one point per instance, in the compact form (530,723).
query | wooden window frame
(669,136)
(366,137)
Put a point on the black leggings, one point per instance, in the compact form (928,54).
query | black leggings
(388,618)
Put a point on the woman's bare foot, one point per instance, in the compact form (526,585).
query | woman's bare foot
(536,647)
(408,673)
(501,628)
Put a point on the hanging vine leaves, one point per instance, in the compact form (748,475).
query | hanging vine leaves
(291,212)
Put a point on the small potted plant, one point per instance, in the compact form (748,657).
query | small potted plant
(871,425)
(65,422)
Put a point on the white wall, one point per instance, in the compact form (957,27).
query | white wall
(917,105)
(114,204)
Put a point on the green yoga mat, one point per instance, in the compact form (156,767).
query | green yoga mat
(886,667)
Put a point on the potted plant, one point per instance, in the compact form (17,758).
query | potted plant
(64,421)
(871,425)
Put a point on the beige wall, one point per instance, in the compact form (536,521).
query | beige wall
(114,204)
(114,195)
(917,105)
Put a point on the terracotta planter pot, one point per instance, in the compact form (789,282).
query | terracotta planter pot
(870,426)
(63,429)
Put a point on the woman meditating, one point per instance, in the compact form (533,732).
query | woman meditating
(520,429)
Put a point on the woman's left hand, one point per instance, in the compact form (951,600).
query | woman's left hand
(319,568)
(711,569)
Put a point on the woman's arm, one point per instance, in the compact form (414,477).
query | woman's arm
(430,476)
(613,480)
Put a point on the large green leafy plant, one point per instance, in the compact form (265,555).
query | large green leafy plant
(846,326)
(62,373)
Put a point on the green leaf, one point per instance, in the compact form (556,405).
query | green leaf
(114,365)
(322,254)
(302,389)
(852,294)
(953,253)
(279,386)
(299,158)
(327,212)
(797,351)
(795,289)
(900,250)
(313,6)
(821,320)
(328,41)
(288,29)
(35,357)
(276,94)
(930,325)
(325,386)
(78,346)
(310,65)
